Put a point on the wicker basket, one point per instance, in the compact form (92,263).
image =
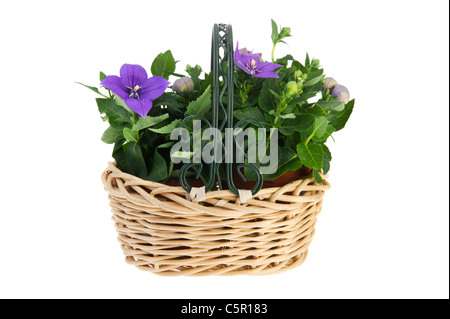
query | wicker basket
(163,232)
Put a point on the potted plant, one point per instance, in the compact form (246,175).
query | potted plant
(163,229)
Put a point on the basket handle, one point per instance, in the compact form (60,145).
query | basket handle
(222,41)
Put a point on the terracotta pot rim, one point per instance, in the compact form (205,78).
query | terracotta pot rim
(284,179)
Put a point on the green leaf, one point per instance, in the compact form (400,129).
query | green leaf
(149,121)
(298,66)
(130,135)
(171,166)
(332,106)
(340,119)
(311,155)
(326,163)
(284,61)
(314,81)
(102,76)
(194,73)
(111,135)
(163,65)
(201,106)
(317,176)
(314,78)
(275,94)
(330,130)
(118,117)
(267,102)
(288,116)
(166,145)
(174,106)
(320,126)
(158,166)
(136,162)
(274,32)
(307,61)
(300,124)
(119,101)
(287,162)
(168,128)
(250,113)
(207,82)
(120,156)
(304,97)
(326,150)
(92,88)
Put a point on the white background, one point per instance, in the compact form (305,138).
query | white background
(384,230)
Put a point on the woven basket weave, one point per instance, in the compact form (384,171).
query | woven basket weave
(163,232)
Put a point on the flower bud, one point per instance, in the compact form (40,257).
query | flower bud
(329,83)
(341,93)
(291,88)
(298,74)
(183,85)
(304,77)
(315,63)
(299,86)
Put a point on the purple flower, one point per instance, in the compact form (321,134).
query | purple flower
(341,93)
(135,88)
(251,64)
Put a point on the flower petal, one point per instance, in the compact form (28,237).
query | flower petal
(237,54)
(259,55)
(266,75)
(153,88)
(242,66)
(268,67)
(115,84)
(132,75)
(139,106)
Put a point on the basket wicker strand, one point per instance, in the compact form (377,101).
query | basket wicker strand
(163,232)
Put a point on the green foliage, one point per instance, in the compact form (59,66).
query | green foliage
(279,35)
(194,73)
(287,162)
(111,135)
(118,117)
(130,135)
(201,106)
(339,120)
(149,121)
(164,65)
(311,155)
(159,168)
(250,112)
(92,88)
(305,115)
(167,129)
(136,161)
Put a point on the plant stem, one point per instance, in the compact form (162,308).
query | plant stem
(309,138)
(273,52)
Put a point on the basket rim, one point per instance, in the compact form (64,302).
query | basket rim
(112,166)
(224,203)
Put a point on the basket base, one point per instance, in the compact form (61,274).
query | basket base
(219,270)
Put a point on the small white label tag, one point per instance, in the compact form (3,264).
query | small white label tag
(245,195)
(198,194)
